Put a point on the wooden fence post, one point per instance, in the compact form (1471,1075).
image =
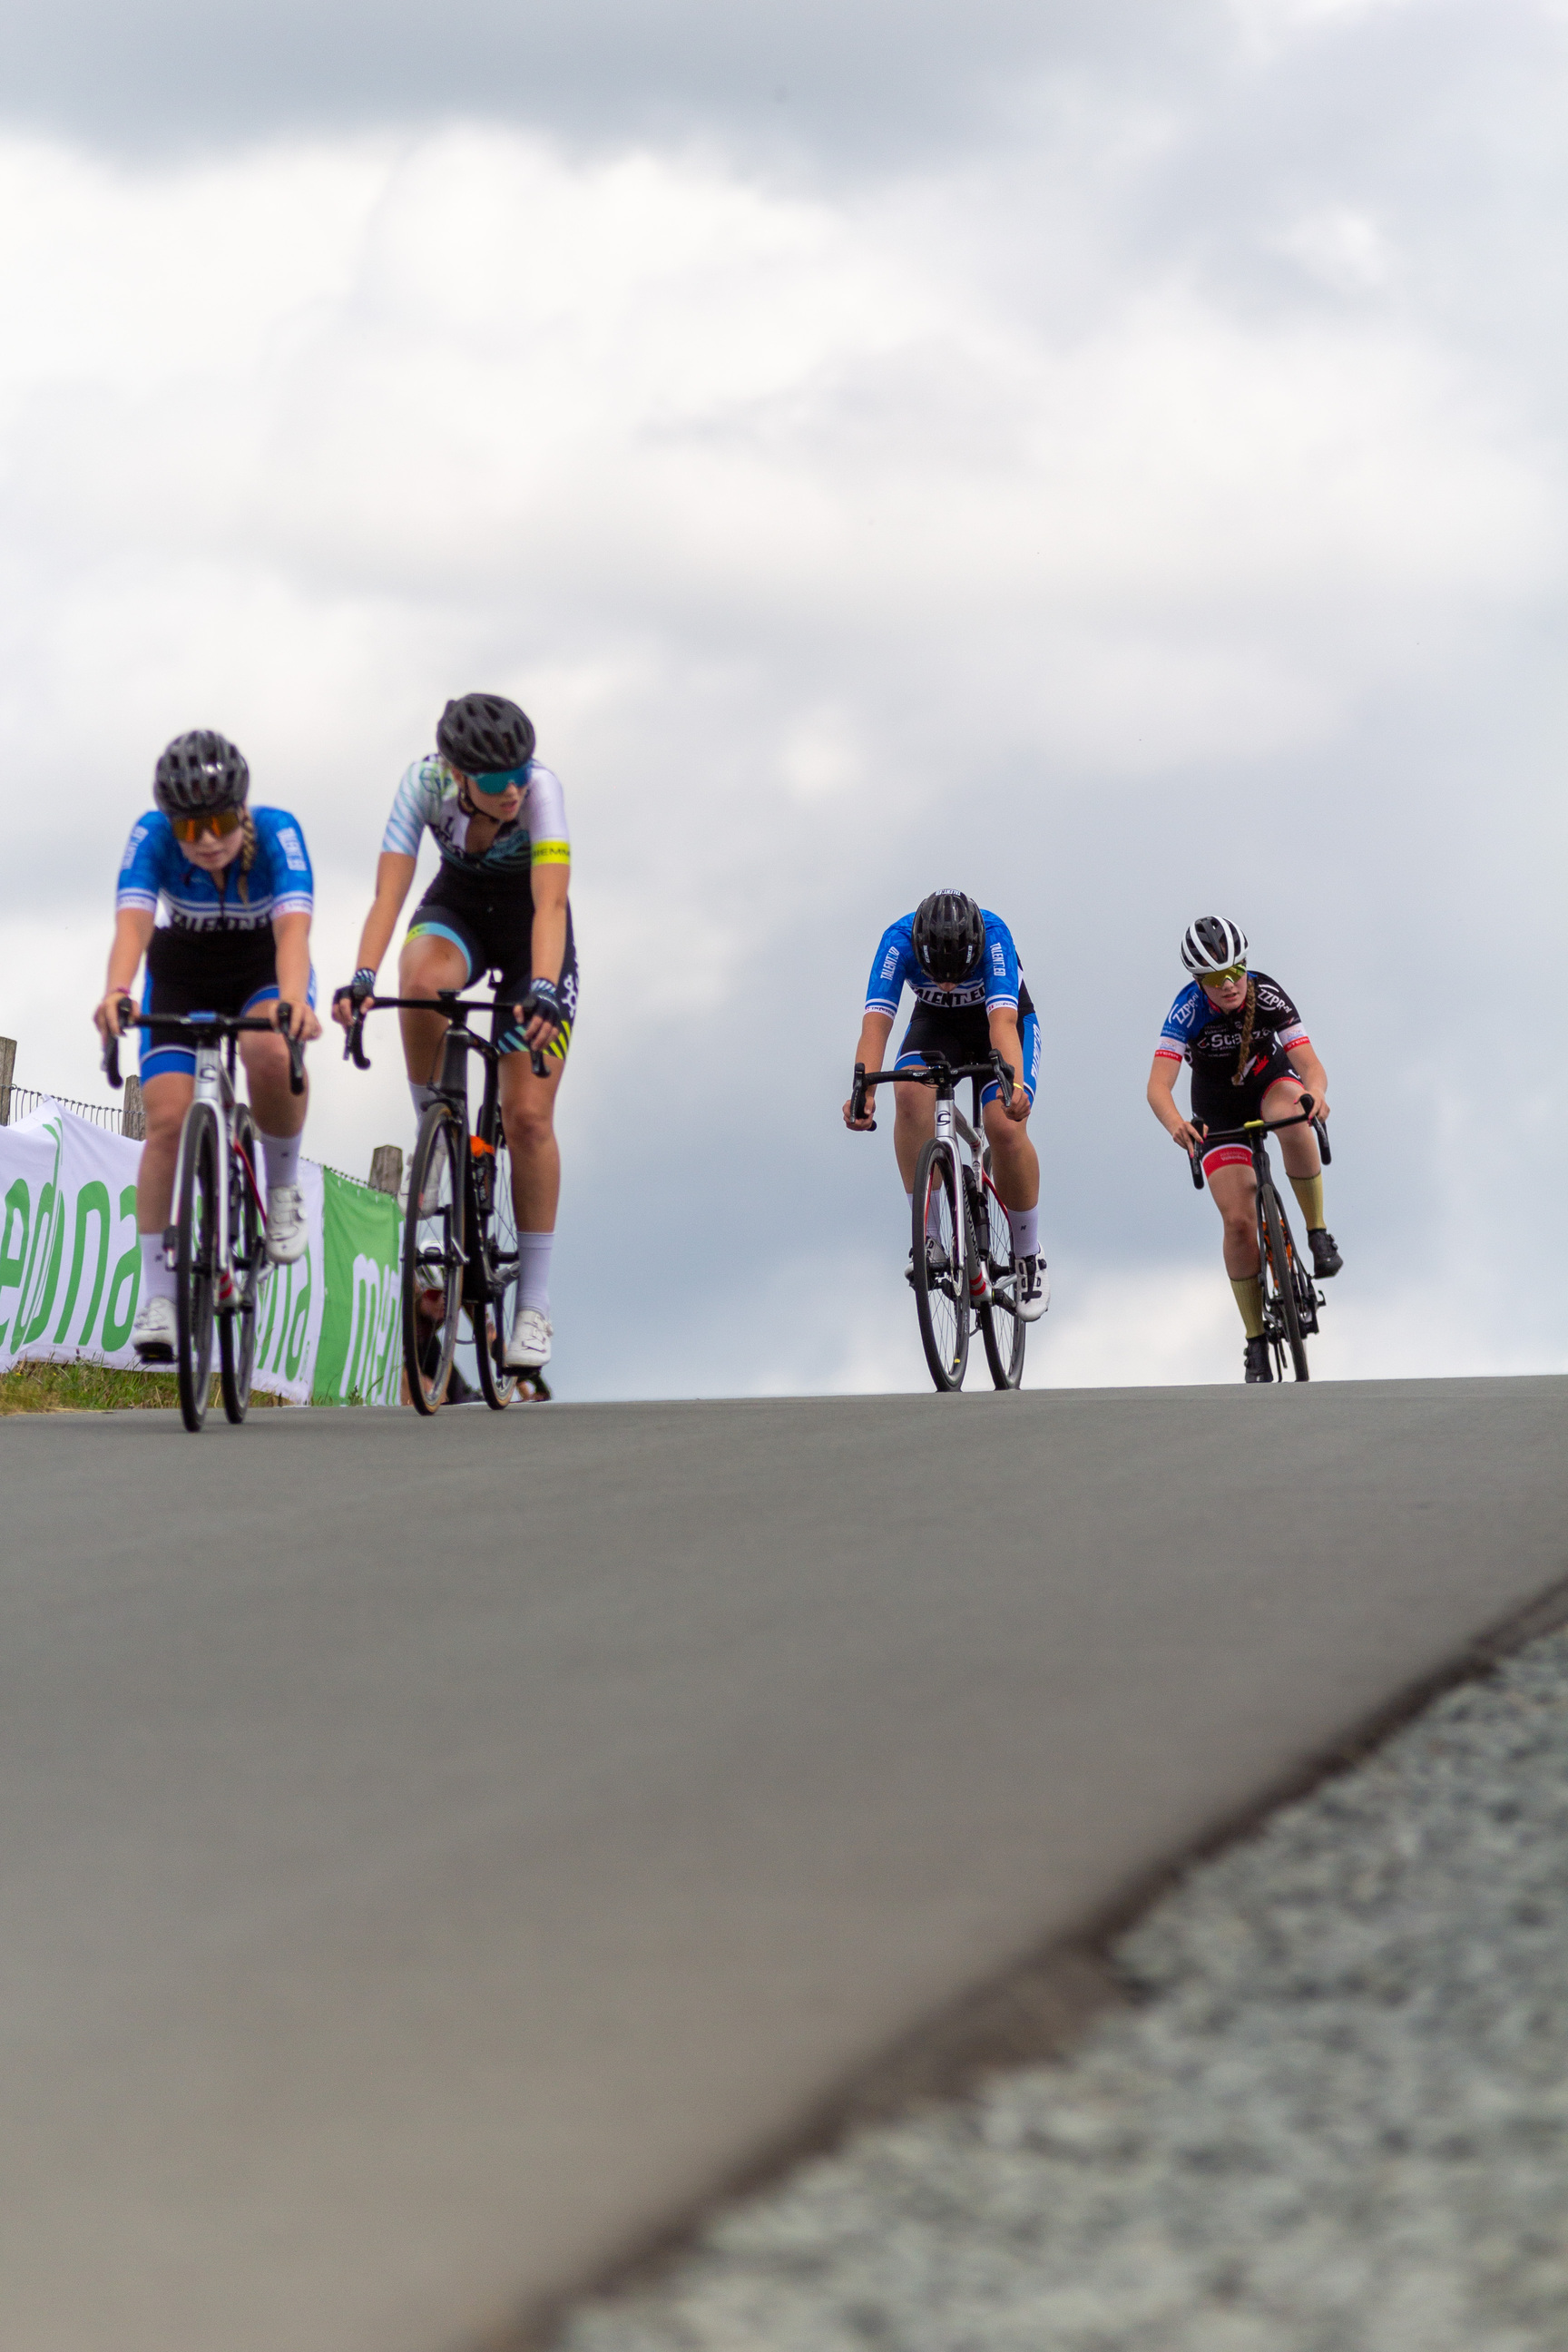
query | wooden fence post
(133,1118)
(7,1066)
(386,1169)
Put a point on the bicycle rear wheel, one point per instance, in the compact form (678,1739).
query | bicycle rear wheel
(941,1281)
(496,1248)
(196,1227)
(433,1229)
(1000,1326)
(237,1324)
(1280,1278)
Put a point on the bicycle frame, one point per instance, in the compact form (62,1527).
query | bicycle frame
(1255,1134)
(953,1129)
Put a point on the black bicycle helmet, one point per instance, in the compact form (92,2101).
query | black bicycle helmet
(949,936)
(200,772)
(484,734)
(1212,944)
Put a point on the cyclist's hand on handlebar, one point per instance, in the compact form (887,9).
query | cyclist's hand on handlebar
(1018,1105)
(542,1013)
(867,1120)
(303,1022)
(356,998)
(107,1012)
(1189,1137)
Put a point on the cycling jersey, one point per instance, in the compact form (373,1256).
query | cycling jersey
(996,985)
(430,795)
(155,868)
(1200,1033)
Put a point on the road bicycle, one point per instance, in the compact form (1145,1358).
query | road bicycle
(962,1262)
(459,1229)
(1290,1297)
(217,1242)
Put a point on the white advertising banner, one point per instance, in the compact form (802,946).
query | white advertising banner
(70,1265)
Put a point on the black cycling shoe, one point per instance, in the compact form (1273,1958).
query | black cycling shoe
(1326,1258)
(1258,1361)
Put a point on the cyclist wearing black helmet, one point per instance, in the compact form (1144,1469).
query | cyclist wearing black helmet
(236,885)
(1251,1058)
(497,904)
(962,966)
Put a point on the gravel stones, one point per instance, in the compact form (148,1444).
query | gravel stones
(1335,2120)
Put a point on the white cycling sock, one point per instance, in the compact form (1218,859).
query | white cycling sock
(421,1098)
(157,1279)
(1026,1224)
(283,1153)
(533,1271)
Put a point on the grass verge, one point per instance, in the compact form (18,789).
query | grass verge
(95,1388)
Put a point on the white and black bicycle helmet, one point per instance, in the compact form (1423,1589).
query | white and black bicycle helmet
(1211,944)
(200,773)
(485,735)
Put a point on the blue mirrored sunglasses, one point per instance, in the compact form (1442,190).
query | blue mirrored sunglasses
(500,782)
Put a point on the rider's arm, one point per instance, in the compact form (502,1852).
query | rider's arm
(1162,1099)
(133,929)
(551,884)
(875,1031)
(291,933)
(393,877)
(1312,1075)
(1003,1025)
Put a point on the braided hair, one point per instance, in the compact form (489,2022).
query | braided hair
(247,860)
(1244,1055)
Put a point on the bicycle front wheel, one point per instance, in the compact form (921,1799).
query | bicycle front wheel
(1001,1327)
(237,1324)
(196,1227)
(496,1248)
(433,1229)
(941,1279)
(1279,1260)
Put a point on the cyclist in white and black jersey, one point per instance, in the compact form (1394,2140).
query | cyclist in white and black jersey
(498,904)
(1250,1058)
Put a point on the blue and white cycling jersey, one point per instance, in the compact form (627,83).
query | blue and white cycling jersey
(280,882)
(994,985)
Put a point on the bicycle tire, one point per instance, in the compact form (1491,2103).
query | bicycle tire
(237,1324)
(433,1235)
(941,1295)
(497,1255)
(1279,1261)
(1001,1327)
(195,1220)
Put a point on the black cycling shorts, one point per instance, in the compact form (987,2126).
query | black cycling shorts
(202,971)
(1217,1104)
(964,1035)
(493,926)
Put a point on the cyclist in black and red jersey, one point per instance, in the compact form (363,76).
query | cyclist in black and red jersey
(1251,1058)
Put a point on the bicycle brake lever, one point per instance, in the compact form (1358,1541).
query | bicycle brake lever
(353,1043)
(111,1062)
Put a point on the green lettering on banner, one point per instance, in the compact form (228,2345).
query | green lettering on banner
(44,1255)
(18,1211)
(358,1357)
(92,1201)
(127,1276)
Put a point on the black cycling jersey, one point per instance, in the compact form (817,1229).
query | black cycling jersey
(1198,1033)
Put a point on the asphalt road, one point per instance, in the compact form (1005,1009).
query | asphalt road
(429,1852)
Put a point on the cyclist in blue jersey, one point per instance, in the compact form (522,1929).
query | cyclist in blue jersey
(236,887)
(1250,1058)
(960,965)
(498,904)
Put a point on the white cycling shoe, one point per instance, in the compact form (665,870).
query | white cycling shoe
(529,1345)
(155,1332)
(1034,1287)
(286,1228)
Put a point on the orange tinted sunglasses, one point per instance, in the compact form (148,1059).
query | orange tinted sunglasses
(220,821)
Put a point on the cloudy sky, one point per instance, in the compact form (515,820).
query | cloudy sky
(1109,456)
